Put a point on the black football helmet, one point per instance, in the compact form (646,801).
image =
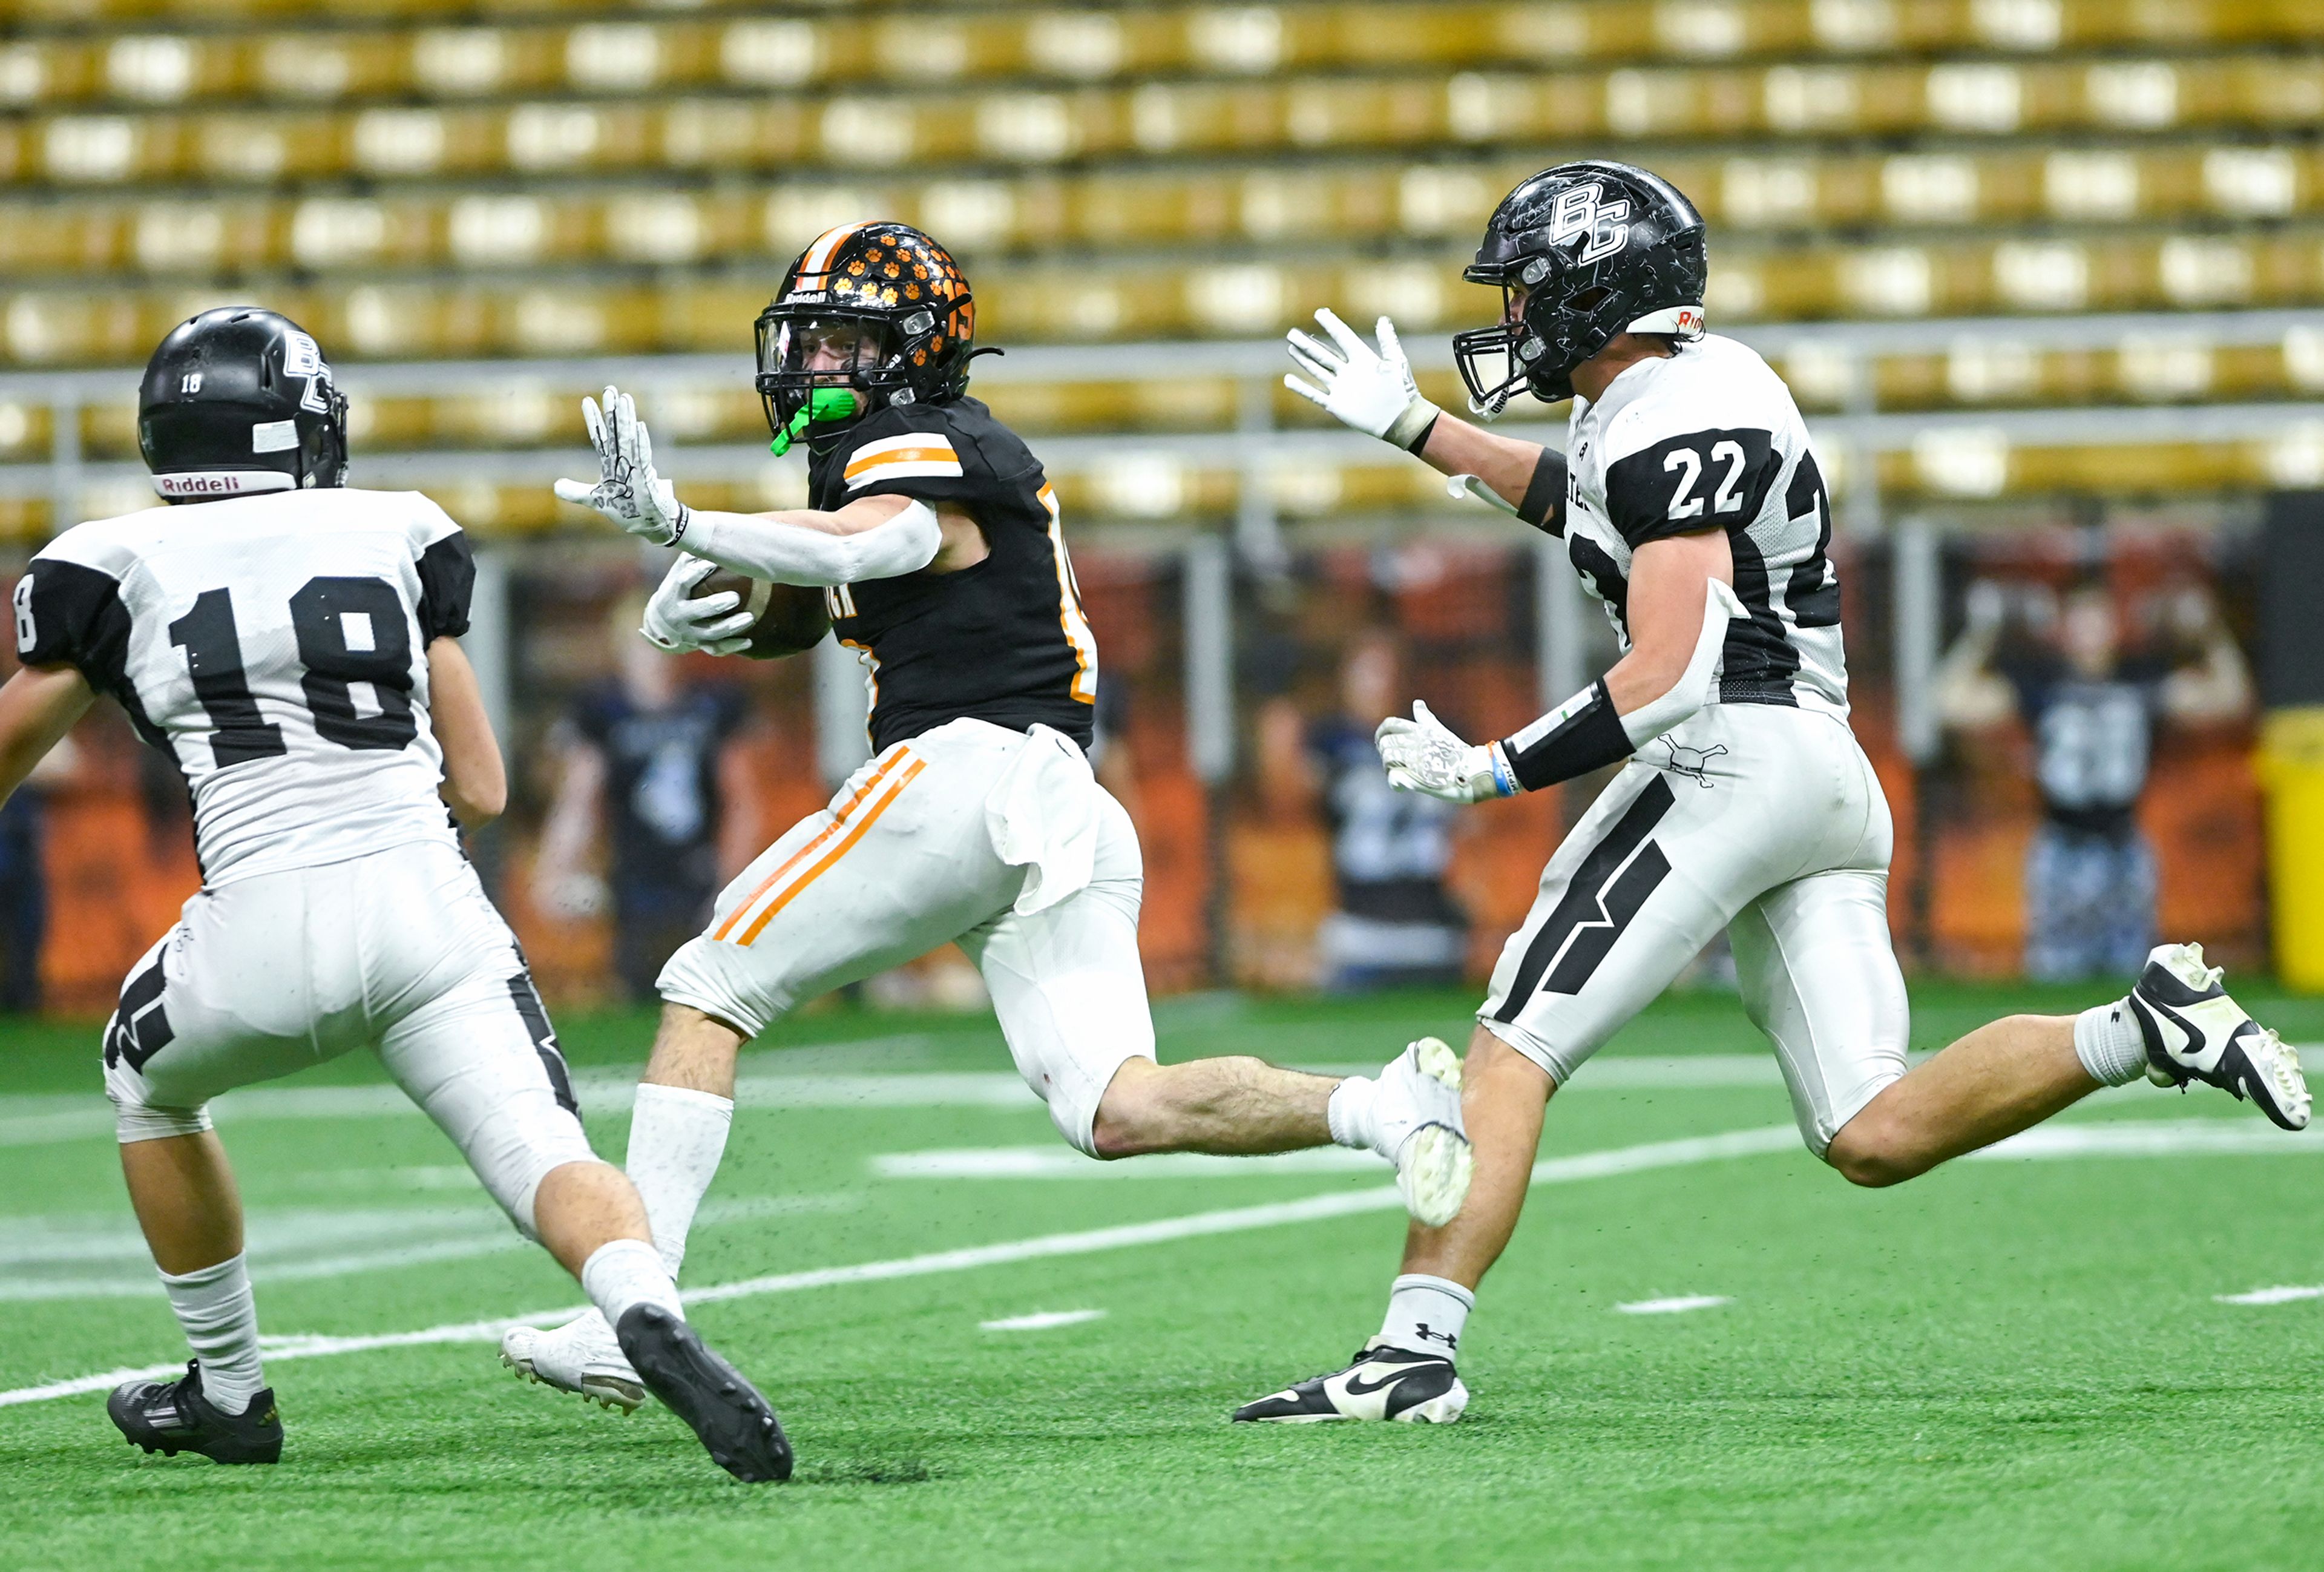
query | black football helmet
(239,399)
(877,309)
(1580,251)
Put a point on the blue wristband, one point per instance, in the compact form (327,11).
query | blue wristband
(1505,778)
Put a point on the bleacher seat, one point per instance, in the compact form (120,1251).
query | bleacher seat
(522,179)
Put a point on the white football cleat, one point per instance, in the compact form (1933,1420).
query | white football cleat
(2195,1032)
(581,1356)
(1393,1384)
(1416,1126)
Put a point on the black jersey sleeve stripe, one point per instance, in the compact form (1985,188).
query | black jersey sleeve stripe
(71,614)
(1812,592)
(1703,480)
(1544,505)
(447,584)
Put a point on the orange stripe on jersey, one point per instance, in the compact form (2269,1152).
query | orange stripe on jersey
(838,819)
(870,817)
(872,462)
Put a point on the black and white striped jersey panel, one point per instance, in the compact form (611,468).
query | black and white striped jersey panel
(1707,439)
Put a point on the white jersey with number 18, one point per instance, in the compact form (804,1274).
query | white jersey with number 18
(275,648)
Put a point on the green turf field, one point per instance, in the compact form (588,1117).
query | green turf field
(2013,1363)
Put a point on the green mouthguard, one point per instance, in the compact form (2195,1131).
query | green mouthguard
(825,403)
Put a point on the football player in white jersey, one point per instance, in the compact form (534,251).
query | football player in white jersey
(291,646)
(1690,503)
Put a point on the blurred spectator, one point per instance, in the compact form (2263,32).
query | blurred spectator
(2091,707)
(1395,923)
(653,762)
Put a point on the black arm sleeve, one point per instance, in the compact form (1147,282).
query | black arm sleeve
(447,583)
(1703,480)
(68,614)
(1583,735)
(1544,506)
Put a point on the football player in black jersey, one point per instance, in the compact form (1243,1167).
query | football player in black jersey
(1693,508)
(935,537)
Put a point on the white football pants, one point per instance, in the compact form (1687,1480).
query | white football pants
(998,840)
(1766,821)
(401,951)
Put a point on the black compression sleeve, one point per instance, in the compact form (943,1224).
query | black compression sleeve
(1544,506)
(1581,735)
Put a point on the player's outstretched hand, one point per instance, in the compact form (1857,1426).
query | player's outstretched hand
(627,491)
(1425,754)
(718,624)
(1370,389)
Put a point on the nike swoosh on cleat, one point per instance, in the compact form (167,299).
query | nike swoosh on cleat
(1356,1386)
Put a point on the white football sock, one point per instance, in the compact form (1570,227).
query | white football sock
(2108,1043)
(1425,1314)
(214,1306)
(1350,1112)
(624,1273)
(677,1137)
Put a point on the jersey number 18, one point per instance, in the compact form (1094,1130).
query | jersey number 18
(349,630)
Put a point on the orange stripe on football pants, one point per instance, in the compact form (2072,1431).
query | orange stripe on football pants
(870,817)
(838,821)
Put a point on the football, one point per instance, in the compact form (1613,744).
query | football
(790,616)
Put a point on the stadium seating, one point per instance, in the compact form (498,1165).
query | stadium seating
(523,180)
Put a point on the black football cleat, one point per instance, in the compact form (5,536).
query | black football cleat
(171,1417)
(2195,1032)
(1382,1383)
(715,1399)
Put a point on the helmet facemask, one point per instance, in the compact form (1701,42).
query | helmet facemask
(1553,317)
(807,348)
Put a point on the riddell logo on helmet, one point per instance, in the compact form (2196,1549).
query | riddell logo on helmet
(220,483)
(1690,321)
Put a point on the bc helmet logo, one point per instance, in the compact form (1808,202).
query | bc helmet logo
(301,356)
(1579,212)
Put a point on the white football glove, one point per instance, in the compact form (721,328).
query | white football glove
(1371,390)
(719,625)
(1423,754)
(628,490)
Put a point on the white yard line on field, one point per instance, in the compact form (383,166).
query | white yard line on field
(282,1243)
(1676,1306)
(1053,1162)
(2272,1296)
(1656,1154)
(45,1118)
(2251,1137)
(1041,1320)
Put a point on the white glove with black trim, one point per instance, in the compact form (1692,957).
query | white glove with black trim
(628,490)
(1371,390)
(718,625)
(1424,755)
